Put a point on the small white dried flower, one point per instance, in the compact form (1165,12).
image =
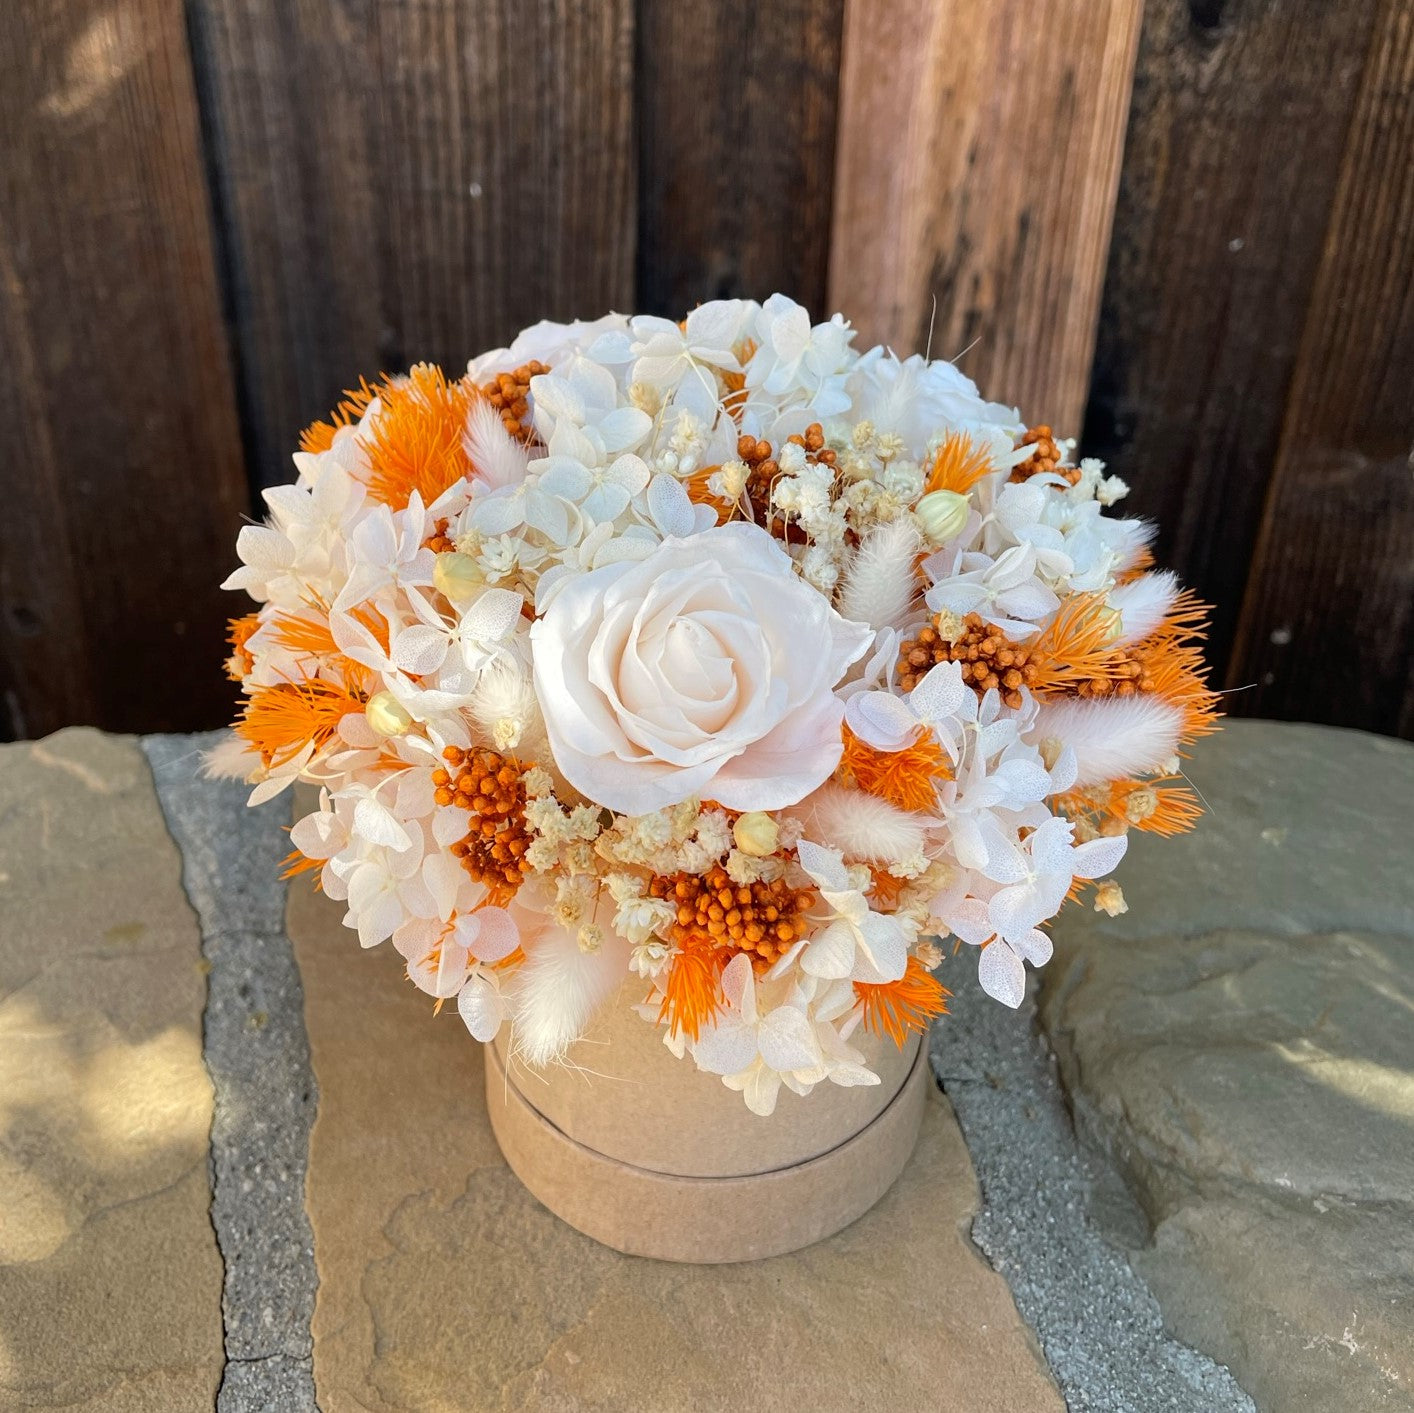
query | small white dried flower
(929,954)
(1109,898)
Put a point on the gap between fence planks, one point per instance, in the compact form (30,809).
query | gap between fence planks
(979,152)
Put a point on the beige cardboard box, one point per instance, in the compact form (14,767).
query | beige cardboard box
(649,1155)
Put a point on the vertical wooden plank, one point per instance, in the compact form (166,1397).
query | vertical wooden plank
(1238,123)
(1327,632)
(122,477)
(411,179)
(979,150)
(736,150)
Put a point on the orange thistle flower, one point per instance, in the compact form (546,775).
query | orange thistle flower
(958,466)
(319,436)
(693,991)
(416,441)
(907,778)
(280,721)
(894,1008)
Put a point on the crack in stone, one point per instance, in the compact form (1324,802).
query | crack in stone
(256,1052)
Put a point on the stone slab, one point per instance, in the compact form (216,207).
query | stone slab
(444,1285)
(110,1280)
(1242,1043)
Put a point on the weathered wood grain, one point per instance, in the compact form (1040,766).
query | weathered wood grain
(411,179)
(1327,631)
(736,123)
(1239,120)
(122,478)
(979,149)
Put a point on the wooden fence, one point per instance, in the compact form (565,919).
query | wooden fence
(1186,234)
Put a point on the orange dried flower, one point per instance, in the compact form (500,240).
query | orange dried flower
(895,1008)
(907,778)
(280,721)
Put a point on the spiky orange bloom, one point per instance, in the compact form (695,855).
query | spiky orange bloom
(693,990)
(1176,672)
(907,778)
(699,493)
(302,633)
(238,634)
(415,443)
(1155,806)
(735,398)
(295,863)
(894,1008)
(319,436)
(280,720)
(311,634)
(1073,650)
(958,466)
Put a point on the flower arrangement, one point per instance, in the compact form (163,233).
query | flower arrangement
(716,653)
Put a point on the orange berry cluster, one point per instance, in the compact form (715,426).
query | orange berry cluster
(762,918)
(1046,457)
(492,791)
(509,394)
(1125,673)
(988,657)
(438,541)
(765,468)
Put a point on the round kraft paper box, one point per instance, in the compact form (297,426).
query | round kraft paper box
(647,1154)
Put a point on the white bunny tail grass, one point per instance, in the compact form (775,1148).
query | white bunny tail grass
(497,458)
(1130,539)
(862,827)
(557,989)
(880,586)
(229,759)
(1114,739)
(1143,604)
(503,703)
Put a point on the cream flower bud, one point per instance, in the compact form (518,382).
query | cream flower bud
(458,576)
(1113,621)
(756,834)
(942,515)
(386,715)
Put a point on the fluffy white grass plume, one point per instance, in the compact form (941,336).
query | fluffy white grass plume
(1142,604)
(229,759)
(1116,739)
(503,703)
(1130,539)
(862,827)
(499,459)
(880,586)
(558,989)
